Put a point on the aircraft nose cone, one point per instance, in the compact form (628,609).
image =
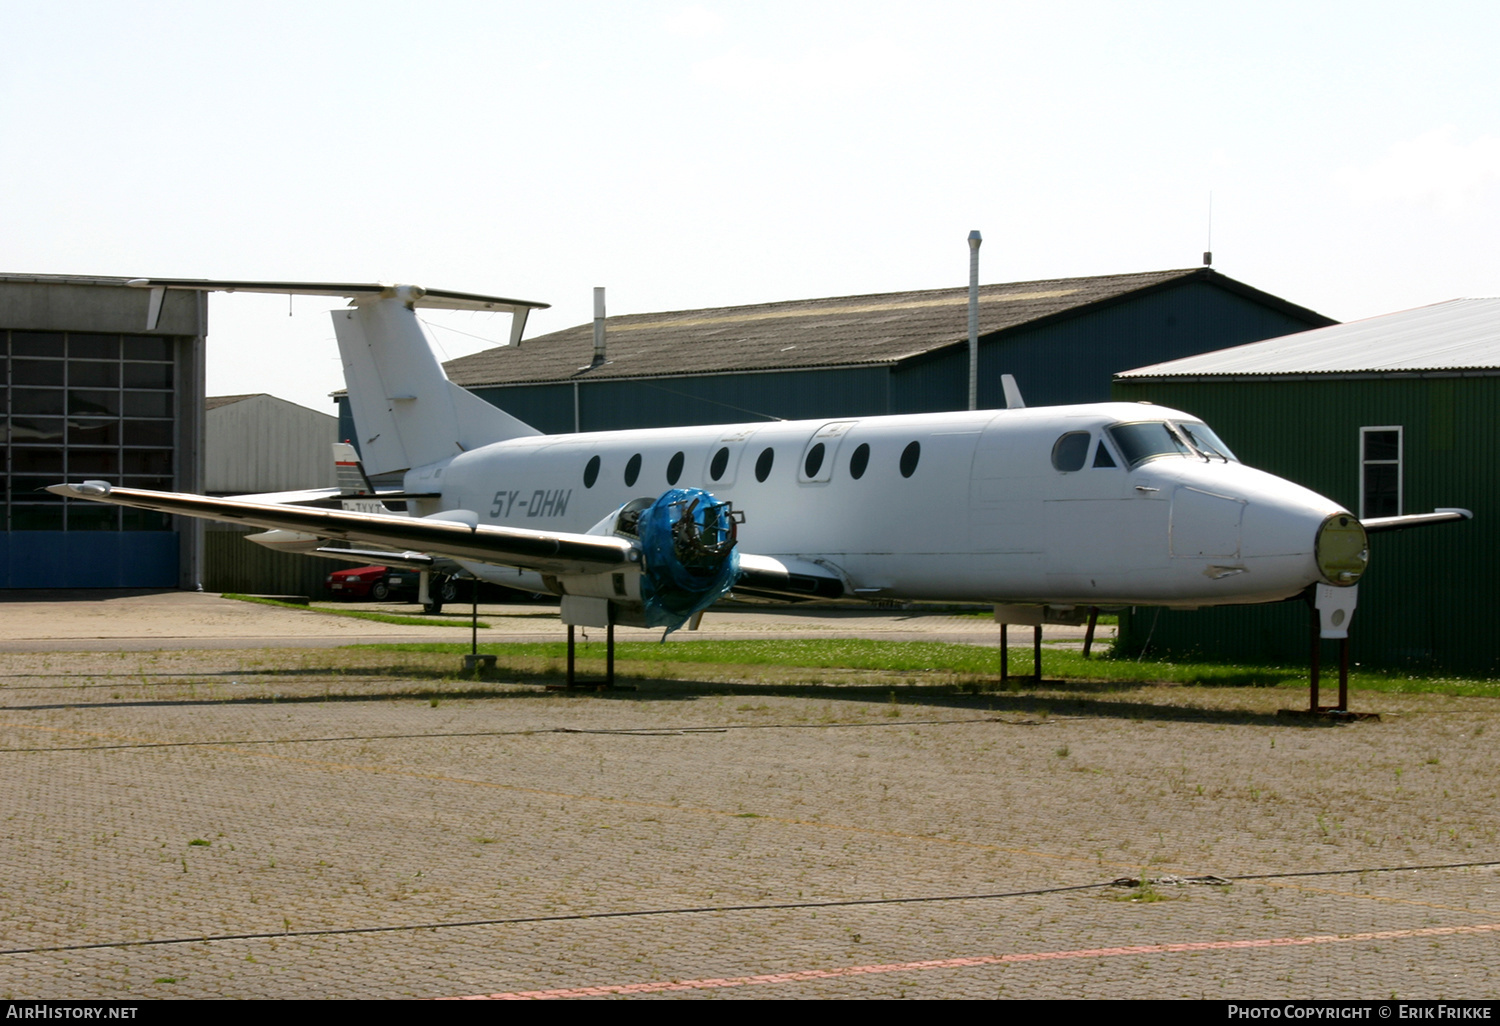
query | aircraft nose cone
(1342,549)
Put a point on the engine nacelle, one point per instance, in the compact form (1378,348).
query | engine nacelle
(688,562)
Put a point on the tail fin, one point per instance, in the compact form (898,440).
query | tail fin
(348,472)
(408,413)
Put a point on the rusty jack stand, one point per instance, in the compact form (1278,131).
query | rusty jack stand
(608,683)
(1036,652)
(1331,609)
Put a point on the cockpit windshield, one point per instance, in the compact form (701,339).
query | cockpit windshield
(1152,439)
(1205,441)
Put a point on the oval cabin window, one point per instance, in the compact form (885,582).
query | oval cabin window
(720,463)
(859,461)
(763,464)
(814,460)
(632,470)
(674,467)
(591,473)
(909,457)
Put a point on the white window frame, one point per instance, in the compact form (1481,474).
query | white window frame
(1399,461)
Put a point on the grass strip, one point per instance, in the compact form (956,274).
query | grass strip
(967,660)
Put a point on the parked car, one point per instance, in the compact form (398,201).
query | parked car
(377,583)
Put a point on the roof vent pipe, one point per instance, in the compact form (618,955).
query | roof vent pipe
(598,326)
(974,241)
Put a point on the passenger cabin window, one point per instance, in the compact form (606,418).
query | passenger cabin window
(1380,451)
(632,470)
(674,467)
(814,461)
(1071,451)
(909,457)
(859,461)
(720,463)
(591,472)
(763,464)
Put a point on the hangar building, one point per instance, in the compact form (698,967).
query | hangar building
(90,391)
(253,444)
(1390,415)
(852,356)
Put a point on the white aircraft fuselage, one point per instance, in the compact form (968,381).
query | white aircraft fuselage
(984,513)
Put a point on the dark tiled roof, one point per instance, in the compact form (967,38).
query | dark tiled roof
(839,332)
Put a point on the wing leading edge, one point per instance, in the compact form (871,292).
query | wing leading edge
(460,537)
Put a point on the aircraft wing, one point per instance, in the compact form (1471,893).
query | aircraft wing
(1437,516)
(461,537)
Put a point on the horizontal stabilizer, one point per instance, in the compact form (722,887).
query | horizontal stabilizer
(432,299)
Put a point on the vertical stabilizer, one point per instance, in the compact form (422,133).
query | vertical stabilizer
(407,412)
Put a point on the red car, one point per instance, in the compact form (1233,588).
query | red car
(371,582)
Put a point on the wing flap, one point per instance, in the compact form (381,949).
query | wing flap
(552,553)
(768,577)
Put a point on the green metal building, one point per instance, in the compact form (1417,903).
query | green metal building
(1390,415)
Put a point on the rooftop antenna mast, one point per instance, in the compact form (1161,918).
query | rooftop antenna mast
(1208,254)
(974,241)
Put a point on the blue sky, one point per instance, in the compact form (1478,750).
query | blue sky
(700,154)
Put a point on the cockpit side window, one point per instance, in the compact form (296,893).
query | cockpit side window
(1071,451)
(1102,458)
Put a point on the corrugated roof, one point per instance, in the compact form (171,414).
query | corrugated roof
(213,402)
(1461,335)
(802,334)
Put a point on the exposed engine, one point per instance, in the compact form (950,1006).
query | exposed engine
(688,553)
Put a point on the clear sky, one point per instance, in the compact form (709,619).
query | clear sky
(701,154)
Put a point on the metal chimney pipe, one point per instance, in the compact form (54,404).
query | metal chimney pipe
(974,241)
(598,325)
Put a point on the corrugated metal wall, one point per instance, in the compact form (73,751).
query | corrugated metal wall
(233,564)
(1428,598)
(266,444)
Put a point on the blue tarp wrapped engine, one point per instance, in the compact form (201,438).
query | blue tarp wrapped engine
(688,551)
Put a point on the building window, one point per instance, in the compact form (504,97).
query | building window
(75,406)
(1380,472)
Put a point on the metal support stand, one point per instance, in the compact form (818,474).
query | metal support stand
(1314,662)
(474,659)
(1317,633)
(609,663)
(1088,635)
(1036,653)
